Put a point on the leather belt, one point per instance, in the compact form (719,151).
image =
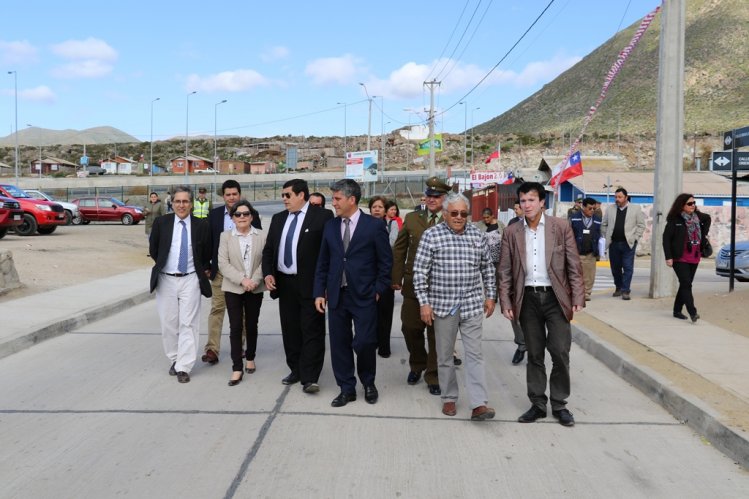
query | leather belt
(178,274)
(540,289)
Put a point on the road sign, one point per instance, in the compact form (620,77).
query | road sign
(728,140)
(741,137)
(726,161)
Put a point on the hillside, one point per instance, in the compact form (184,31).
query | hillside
(716,81)
(34,136)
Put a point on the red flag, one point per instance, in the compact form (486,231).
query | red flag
(494,155)
(562,173)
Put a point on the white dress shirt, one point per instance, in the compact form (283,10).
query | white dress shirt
(172,261)
(535,254)
(292,269)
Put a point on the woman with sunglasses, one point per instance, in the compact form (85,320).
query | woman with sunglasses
(239,260)
(683,239)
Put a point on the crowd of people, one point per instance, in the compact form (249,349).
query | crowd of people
(451,273)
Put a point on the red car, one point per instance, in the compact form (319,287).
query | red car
(106,209)
(11,215)
(38,215)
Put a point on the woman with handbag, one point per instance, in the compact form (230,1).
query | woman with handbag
(239,260)
(684,242)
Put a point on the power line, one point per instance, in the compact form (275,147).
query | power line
(457,23)
(470,21)
(468,43)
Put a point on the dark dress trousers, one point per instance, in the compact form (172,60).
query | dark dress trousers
(302,326)
(367,263)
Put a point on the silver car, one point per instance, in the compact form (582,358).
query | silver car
(741,262)
(72,214)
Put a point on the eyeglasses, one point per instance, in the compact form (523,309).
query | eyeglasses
(286,195)
(691,203)
(241,214)
(455,214)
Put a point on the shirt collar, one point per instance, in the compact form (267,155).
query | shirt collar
(235,232)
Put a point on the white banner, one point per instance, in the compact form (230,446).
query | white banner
(362,166)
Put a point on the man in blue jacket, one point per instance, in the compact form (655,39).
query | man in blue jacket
(586,226)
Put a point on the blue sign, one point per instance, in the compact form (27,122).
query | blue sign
(84,160)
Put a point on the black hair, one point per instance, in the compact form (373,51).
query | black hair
(298,185)
(241,202)
(675,212)
(527,187)
(230,184)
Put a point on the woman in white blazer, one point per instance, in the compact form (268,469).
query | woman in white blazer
(239,260)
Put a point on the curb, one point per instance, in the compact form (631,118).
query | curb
(689,410)
(78,319)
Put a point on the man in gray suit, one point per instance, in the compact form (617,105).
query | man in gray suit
(541,283)
(622,226)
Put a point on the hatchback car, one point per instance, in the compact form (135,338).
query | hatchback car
(107,209)
(740,265)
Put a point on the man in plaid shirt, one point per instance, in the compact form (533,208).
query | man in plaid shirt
(455,283)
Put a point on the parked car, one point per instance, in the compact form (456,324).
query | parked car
(72,214)
(107,209)
(11,215)
(94,170)
(740,264)
(207,170)
(38,215)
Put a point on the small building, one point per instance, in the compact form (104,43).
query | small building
(232,166)
(263,167)
(51,166)
(195,164)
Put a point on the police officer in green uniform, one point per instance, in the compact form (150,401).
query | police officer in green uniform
(202,205)
(421,359)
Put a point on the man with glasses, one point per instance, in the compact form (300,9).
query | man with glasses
(289,263)
(587,228)
(421,360)
(422,204)
(219,221)
(454,280)
(180,246)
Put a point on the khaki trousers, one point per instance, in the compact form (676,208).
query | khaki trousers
(216,315)
(589,272)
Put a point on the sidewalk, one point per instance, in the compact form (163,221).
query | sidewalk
(698,372)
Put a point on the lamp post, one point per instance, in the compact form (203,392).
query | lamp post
(472,133)
(345,128)
(15,87)
(215,128)
(187,139)
(382,145)
(40,148)
(150,159)
(465,132)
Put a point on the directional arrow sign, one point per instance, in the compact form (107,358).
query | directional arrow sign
(722,160)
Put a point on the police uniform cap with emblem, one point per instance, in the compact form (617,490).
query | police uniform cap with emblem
(436,187)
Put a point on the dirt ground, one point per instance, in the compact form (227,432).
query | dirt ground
(75,254)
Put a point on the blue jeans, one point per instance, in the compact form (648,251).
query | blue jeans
(622,261)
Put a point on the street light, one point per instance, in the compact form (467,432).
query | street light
(215,128)
(40,149)
(472,133)
(15,86)
(150,165)
(187,127)
(465,132)
(382,145)
(345,130)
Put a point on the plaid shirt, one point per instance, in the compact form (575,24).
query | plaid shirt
(449,270)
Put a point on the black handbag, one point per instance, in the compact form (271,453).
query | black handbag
(706,248)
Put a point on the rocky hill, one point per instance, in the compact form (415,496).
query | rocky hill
(34,136)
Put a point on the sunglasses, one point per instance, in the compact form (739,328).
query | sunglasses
(241,214)
(691,203)
(455,214)
(286,195)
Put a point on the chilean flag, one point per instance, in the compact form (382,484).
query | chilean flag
(562,173)
(510,179)
(494,155)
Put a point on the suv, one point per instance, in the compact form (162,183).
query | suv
(11,215)
(106,209)
(38,215)
(72,215)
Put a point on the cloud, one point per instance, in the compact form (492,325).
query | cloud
(544,71)
(227,81)
(42,93)
(274,54)
(17,52)
(342,70)
(90,58)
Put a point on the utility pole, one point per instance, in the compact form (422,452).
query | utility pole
(669,138)
(431,85)
(465,132)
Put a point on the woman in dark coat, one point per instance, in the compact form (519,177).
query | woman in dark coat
(683,239)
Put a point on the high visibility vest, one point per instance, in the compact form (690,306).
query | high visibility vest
(201,209)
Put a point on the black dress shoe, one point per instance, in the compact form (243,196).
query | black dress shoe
(531,415)
(343,399)
(173,371)
(679,315)
(371,394)
(435,389)
(385,354)
(235,382)
(518,357)
(183,377)
(694,316)
(290,379)
(456,360)
(564,416)
(249,370)
(413,378)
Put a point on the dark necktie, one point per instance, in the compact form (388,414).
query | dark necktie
(346,241)
(182,261)
(287,257)
(432,219)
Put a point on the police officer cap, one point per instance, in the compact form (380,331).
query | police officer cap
(436,187)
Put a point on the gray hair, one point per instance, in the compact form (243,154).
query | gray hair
(183,188)
(454,197)
(348,187)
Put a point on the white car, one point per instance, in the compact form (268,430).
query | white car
(740,264)
(207,170)
(72,213)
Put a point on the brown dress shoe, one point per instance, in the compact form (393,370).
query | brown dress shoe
(482,413)
(210,357)
(448,409)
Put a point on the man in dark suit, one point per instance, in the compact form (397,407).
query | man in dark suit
(353,270)
(219,221)
(289,263)
(541,282)
(180,246)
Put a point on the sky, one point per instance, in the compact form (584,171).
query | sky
(287,68)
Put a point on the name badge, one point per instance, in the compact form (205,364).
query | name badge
(586,231)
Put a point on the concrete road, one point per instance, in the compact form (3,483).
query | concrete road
(94,413)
